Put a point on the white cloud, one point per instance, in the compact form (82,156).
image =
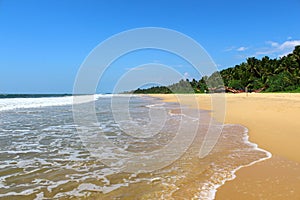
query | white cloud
(186,75)
(233,48)
(273,44)
(242,48)
(278,49)
(230,48)
(289,44)
(270,48)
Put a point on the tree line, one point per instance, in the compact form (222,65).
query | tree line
(265,74)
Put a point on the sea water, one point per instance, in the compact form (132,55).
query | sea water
(42,155)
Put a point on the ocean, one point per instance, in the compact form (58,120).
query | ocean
(43,154)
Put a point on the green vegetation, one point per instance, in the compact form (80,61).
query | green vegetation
(268,75)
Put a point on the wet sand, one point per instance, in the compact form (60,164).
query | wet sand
(273,123)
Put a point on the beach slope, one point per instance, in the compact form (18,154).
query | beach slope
(273,123)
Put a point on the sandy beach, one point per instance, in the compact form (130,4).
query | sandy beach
(273,123)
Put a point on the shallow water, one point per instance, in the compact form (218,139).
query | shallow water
(42,155)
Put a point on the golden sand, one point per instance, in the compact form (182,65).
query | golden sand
(273,123)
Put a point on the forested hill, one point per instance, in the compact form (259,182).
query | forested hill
(270,75)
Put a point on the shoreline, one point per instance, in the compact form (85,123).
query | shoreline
(265,115)
(233,172)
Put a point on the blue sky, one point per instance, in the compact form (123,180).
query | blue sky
(43,43)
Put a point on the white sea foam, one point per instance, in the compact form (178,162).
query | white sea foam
(77,160)
(39,196)
(157,105)
(212,188)
(17,103)
(25,192)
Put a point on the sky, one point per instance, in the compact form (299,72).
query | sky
(44,43)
